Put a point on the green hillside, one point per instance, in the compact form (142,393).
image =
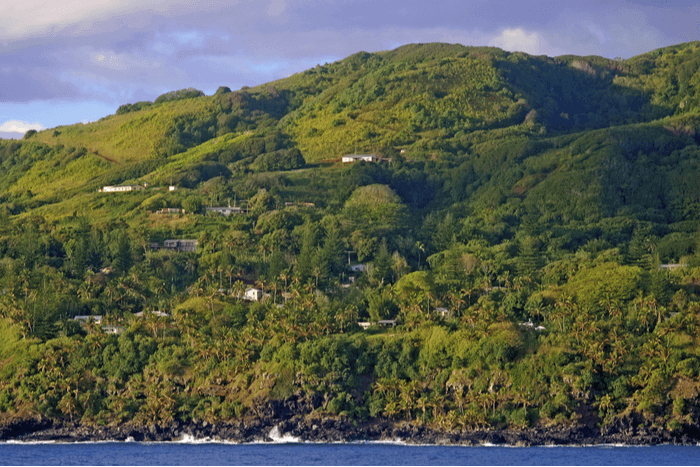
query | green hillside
(512,192)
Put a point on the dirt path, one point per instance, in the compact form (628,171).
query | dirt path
(108,159)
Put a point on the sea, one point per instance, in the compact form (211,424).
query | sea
(206,452)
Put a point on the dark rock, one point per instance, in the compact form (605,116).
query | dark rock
(291,417)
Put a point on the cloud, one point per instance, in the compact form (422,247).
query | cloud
(519,40)
(598,32)
(16,126)
(31,18)
(276,8)
(52,113)
(117,51)
(23,84)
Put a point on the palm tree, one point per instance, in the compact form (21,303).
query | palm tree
(421,248)
(422,404)
(457,299)
(230,274)
(238,289)
(381,385)
(391,409)
(285,276)
(346,316)
(606,403)
(261,284)
(85,291)
(211,293)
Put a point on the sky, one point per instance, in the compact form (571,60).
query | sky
(70,61)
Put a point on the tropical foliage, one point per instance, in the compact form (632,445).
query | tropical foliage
(531,228)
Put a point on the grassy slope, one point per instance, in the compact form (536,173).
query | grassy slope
(128,137)
(487,106)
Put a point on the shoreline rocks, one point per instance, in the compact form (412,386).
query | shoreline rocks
(295,420)
(324,430)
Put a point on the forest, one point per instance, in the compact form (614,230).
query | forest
(529,233)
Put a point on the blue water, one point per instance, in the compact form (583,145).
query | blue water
(337,454)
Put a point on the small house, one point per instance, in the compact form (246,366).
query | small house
(226,211)
(364,324)
(350,158)
(387,323)
(121,188)
(444,312)
(253,294)
(84,319)
(671,267)
(159,314)
(181,245)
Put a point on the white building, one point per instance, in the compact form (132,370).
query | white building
(442,311)
(113,329)
(120,188)
(226,211)
(97,319)
(253,294)
(159,314)
(359,157)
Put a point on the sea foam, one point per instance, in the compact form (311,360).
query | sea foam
(279,438)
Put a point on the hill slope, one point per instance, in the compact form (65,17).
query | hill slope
(515,231)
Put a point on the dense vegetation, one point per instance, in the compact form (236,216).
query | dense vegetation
(516,230)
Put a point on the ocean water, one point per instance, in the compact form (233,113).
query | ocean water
(191,452)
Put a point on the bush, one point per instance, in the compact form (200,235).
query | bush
(181,94)
(284,159)
(126,108)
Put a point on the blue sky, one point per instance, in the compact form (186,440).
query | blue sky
(69,61)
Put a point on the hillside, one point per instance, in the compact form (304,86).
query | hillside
(530,228)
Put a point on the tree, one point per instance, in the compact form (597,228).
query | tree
(188,93)
(415,289)
(122,260)
(304,267)
(375,209)
(192,204)
(382,264)
(331,254)
(381,304)
(261,202)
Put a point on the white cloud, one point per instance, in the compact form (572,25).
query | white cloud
(276,8)
(37,19)
(519,40)
(598,32)
(38,15)
(17,126)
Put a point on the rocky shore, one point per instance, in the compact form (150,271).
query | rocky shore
(277,421)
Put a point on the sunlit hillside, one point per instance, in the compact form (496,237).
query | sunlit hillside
(520,250)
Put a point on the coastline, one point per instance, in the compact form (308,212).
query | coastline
(301,429)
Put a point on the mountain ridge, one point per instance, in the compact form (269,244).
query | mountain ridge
(528,234)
